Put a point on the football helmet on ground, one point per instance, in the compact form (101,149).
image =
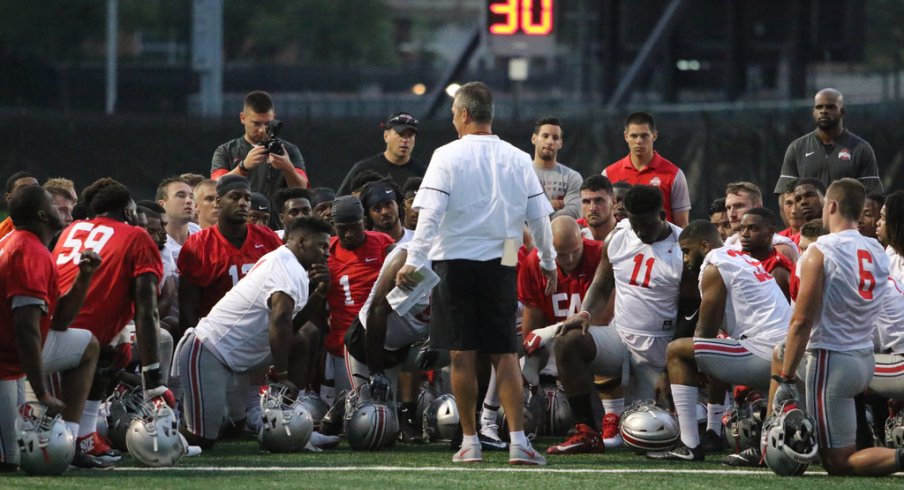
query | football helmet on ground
(441,419)
(46,445)
(153,438)
(370,425)
(647,427)
(286,424)
(789,440)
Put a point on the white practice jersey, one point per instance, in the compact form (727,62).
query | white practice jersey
(895,264)
(400,329)
(756,311)
(852,296)
(237,328)
(890,323)
(647,281)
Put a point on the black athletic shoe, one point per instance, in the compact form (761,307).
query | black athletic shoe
(680,453)
(750,457)
(711,442)
(490,443)
(86,461)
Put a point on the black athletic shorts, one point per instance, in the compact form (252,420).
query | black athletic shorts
(473,306)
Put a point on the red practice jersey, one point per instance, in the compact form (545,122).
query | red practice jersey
(776,259)
(659,173)
(789,234)
(210,262)
(570,289)
(26,270)
(126,252)
(352,275)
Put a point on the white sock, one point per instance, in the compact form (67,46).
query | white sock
(616,406)
(88,424)
(72,426)
(518,438)
(470,440)
(492,396)
(714,414)
(685,398)
(489,415)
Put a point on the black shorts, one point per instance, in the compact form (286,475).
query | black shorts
(473,306)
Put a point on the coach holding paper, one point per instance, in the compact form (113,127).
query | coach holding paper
(474,200)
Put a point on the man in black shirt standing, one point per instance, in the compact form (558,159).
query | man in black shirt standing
(831,152)
(399,131)
(245,156)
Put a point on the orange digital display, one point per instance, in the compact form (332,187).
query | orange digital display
(511,17)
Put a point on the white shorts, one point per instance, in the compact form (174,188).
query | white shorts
(729,361)
(638,360)
(888,376)
(64,350)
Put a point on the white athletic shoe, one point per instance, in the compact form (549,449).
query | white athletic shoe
(470,453)
(525,455)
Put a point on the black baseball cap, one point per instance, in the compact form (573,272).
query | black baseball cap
(400,121)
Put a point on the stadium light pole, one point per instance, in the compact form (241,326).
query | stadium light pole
(112,51)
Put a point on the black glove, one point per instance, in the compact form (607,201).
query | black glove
(426,358)
(379,387)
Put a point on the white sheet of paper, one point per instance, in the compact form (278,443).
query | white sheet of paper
(402,301)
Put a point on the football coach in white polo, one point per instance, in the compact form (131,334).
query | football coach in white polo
(474,201)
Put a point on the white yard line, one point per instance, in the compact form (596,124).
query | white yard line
(402,469)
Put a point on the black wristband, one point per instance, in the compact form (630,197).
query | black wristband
(782,380)
(152,378)
(242,167)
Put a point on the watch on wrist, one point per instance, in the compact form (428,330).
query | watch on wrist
(242,167)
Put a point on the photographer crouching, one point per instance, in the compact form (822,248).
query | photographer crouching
(259,155)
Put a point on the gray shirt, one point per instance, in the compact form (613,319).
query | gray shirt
(848,156)
(561,182)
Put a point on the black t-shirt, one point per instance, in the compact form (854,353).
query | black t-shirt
(848,156)
(379,164)
(264,178)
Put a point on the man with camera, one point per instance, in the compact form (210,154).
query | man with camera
(269,163)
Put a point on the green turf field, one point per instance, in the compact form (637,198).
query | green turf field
(241,464)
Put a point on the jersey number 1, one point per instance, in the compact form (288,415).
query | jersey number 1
(343,281)
(638,263)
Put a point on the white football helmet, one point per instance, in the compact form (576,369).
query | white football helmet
(789,440)
(894,430)
(646,427)
(369,425)
(441,420)
(559,418)
(286,424)
(123,405)
(46,445)
(153,438)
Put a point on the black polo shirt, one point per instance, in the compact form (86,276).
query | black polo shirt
(379,164)
(848,156)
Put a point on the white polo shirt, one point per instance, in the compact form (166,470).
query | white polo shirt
(484,190)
